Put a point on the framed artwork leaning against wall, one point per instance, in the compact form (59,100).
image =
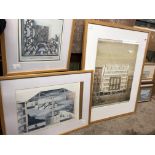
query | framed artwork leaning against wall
(145,93)
(36,45)
(148,72)
(117,54)
(53,103)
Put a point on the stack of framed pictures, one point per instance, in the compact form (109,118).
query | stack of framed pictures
(147,83)
(37,101)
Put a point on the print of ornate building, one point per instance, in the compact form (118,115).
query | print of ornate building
(45,108)
(110,80)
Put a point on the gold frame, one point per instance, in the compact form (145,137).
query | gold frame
(4,59)
(2,78)
(114,25)
(146,86)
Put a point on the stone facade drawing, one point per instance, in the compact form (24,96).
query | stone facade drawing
(111,84)
(44,109)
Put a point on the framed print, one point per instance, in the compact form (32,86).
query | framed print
(40,40)
(148,72)
(145,93)
(53,103)
(36,45)
(116,53)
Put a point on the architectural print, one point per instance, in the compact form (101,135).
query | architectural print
(114,70)
(40,39)
(45,108)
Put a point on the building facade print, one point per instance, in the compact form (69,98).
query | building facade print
(45,108)
(111,83)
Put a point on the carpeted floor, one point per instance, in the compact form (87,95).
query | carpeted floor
(140,123)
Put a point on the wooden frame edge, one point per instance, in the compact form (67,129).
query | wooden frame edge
(146,85)
(71,43)
(43,75)
(115,25)
(84,44)
(147,80)
(91,97)
(81,100)
(66,133)
(149,63)
(3,53)
(2,115)
(35,72)
(146,48)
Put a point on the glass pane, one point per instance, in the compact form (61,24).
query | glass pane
(115,65)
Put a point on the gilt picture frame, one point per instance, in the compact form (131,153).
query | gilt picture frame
(48,104)
(117,55)
(36,45)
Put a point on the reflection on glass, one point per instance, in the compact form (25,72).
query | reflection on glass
(115,65)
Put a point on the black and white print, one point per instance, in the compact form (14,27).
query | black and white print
(44,108)
(114,70)
(40,39)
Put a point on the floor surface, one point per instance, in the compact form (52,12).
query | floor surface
(140,123)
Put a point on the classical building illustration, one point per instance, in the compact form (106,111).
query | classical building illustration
(45,108)
(111,84)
